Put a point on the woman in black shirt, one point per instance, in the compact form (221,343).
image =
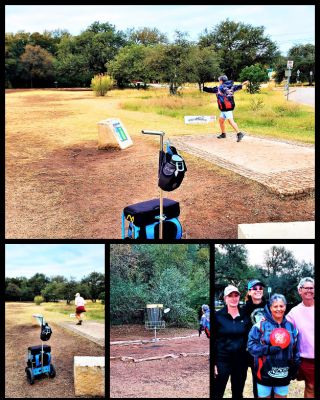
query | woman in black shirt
(253,308)
(230,335)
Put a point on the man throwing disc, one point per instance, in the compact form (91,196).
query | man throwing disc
(226,104)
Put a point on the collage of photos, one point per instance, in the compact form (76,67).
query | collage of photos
(159,209)
(261,343)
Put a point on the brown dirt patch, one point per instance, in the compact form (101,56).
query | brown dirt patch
(168,378)
(58,185)
(64,346)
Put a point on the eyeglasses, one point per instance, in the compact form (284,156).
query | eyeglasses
(257,288)
(307,288)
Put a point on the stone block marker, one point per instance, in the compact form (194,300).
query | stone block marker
(277,230)
(89,376)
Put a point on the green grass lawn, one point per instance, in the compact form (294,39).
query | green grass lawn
(22,312)
(265,114)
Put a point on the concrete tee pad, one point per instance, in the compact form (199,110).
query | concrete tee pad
(284,168)
(276,230)
(92,330)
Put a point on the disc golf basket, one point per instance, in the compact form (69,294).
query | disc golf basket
(153,318)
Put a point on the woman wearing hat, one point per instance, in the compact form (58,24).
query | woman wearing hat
(253,308)
(231,328)
(276,354)
(79,303)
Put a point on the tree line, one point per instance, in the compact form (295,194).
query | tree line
(280,270)
(55,288)
(57,58)
(175,275)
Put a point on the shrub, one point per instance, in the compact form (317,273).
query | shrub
(38,300)
(256,104)
(100,84)
(256,74)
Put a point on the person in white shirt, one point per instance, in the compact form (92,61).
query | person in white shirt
(79,303)
(302,316)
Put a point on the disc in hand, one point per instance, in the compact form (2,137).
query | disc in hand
(280,337)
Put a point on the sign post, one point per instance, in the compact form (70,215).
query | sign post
(311,73)
(288,74)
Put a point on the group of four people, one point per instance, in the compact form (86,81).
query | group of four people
(243,338)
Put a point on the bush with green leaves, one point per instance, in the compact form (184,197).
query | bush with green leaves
(256,74)
(101,84)
(38,300)
(102,297)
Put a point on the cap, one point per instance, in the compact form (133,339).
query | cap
(77,294)
(229,289)
(254,282)
(223,78)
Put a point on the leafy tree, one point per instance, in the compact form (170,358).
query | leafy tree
(303,57)
(279,260)
(126,299)
(37,63)
(239,45)
(205,65)
(13,292)
(170,288)
(95,282)
(170,63)
(38,282)
(53,291)
(256,74)
(147,36)
(231,267)
(129,64)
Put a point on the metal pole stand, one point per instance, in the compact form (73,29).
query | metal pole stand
(153,319)
(161,216)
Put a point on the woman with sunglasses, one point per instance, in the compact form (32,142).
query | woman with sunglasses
(253,308)
(230,336)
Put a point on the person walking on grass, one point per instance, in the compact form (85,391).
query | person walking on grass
(226,104)
(79,303)
(302,317)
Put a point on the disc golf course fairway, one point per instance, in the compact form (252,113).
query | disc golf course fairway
(176,366)
(59,185)
(22,331)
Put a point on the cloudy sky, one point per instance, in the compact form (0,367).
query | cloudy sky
(286,25)
(76,260)
(300,251)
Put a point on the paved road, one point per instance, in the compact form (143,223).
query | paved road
(303,96)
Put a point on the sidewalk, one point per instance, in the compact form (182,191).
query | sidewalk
(286,169)
(92,330)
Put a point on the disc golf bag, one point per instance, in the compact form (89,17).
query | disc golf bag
(46,332)
(34,356)
(144,220)
(172,168)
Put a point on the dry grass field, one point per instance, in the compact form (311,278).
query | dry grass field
(59,185)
